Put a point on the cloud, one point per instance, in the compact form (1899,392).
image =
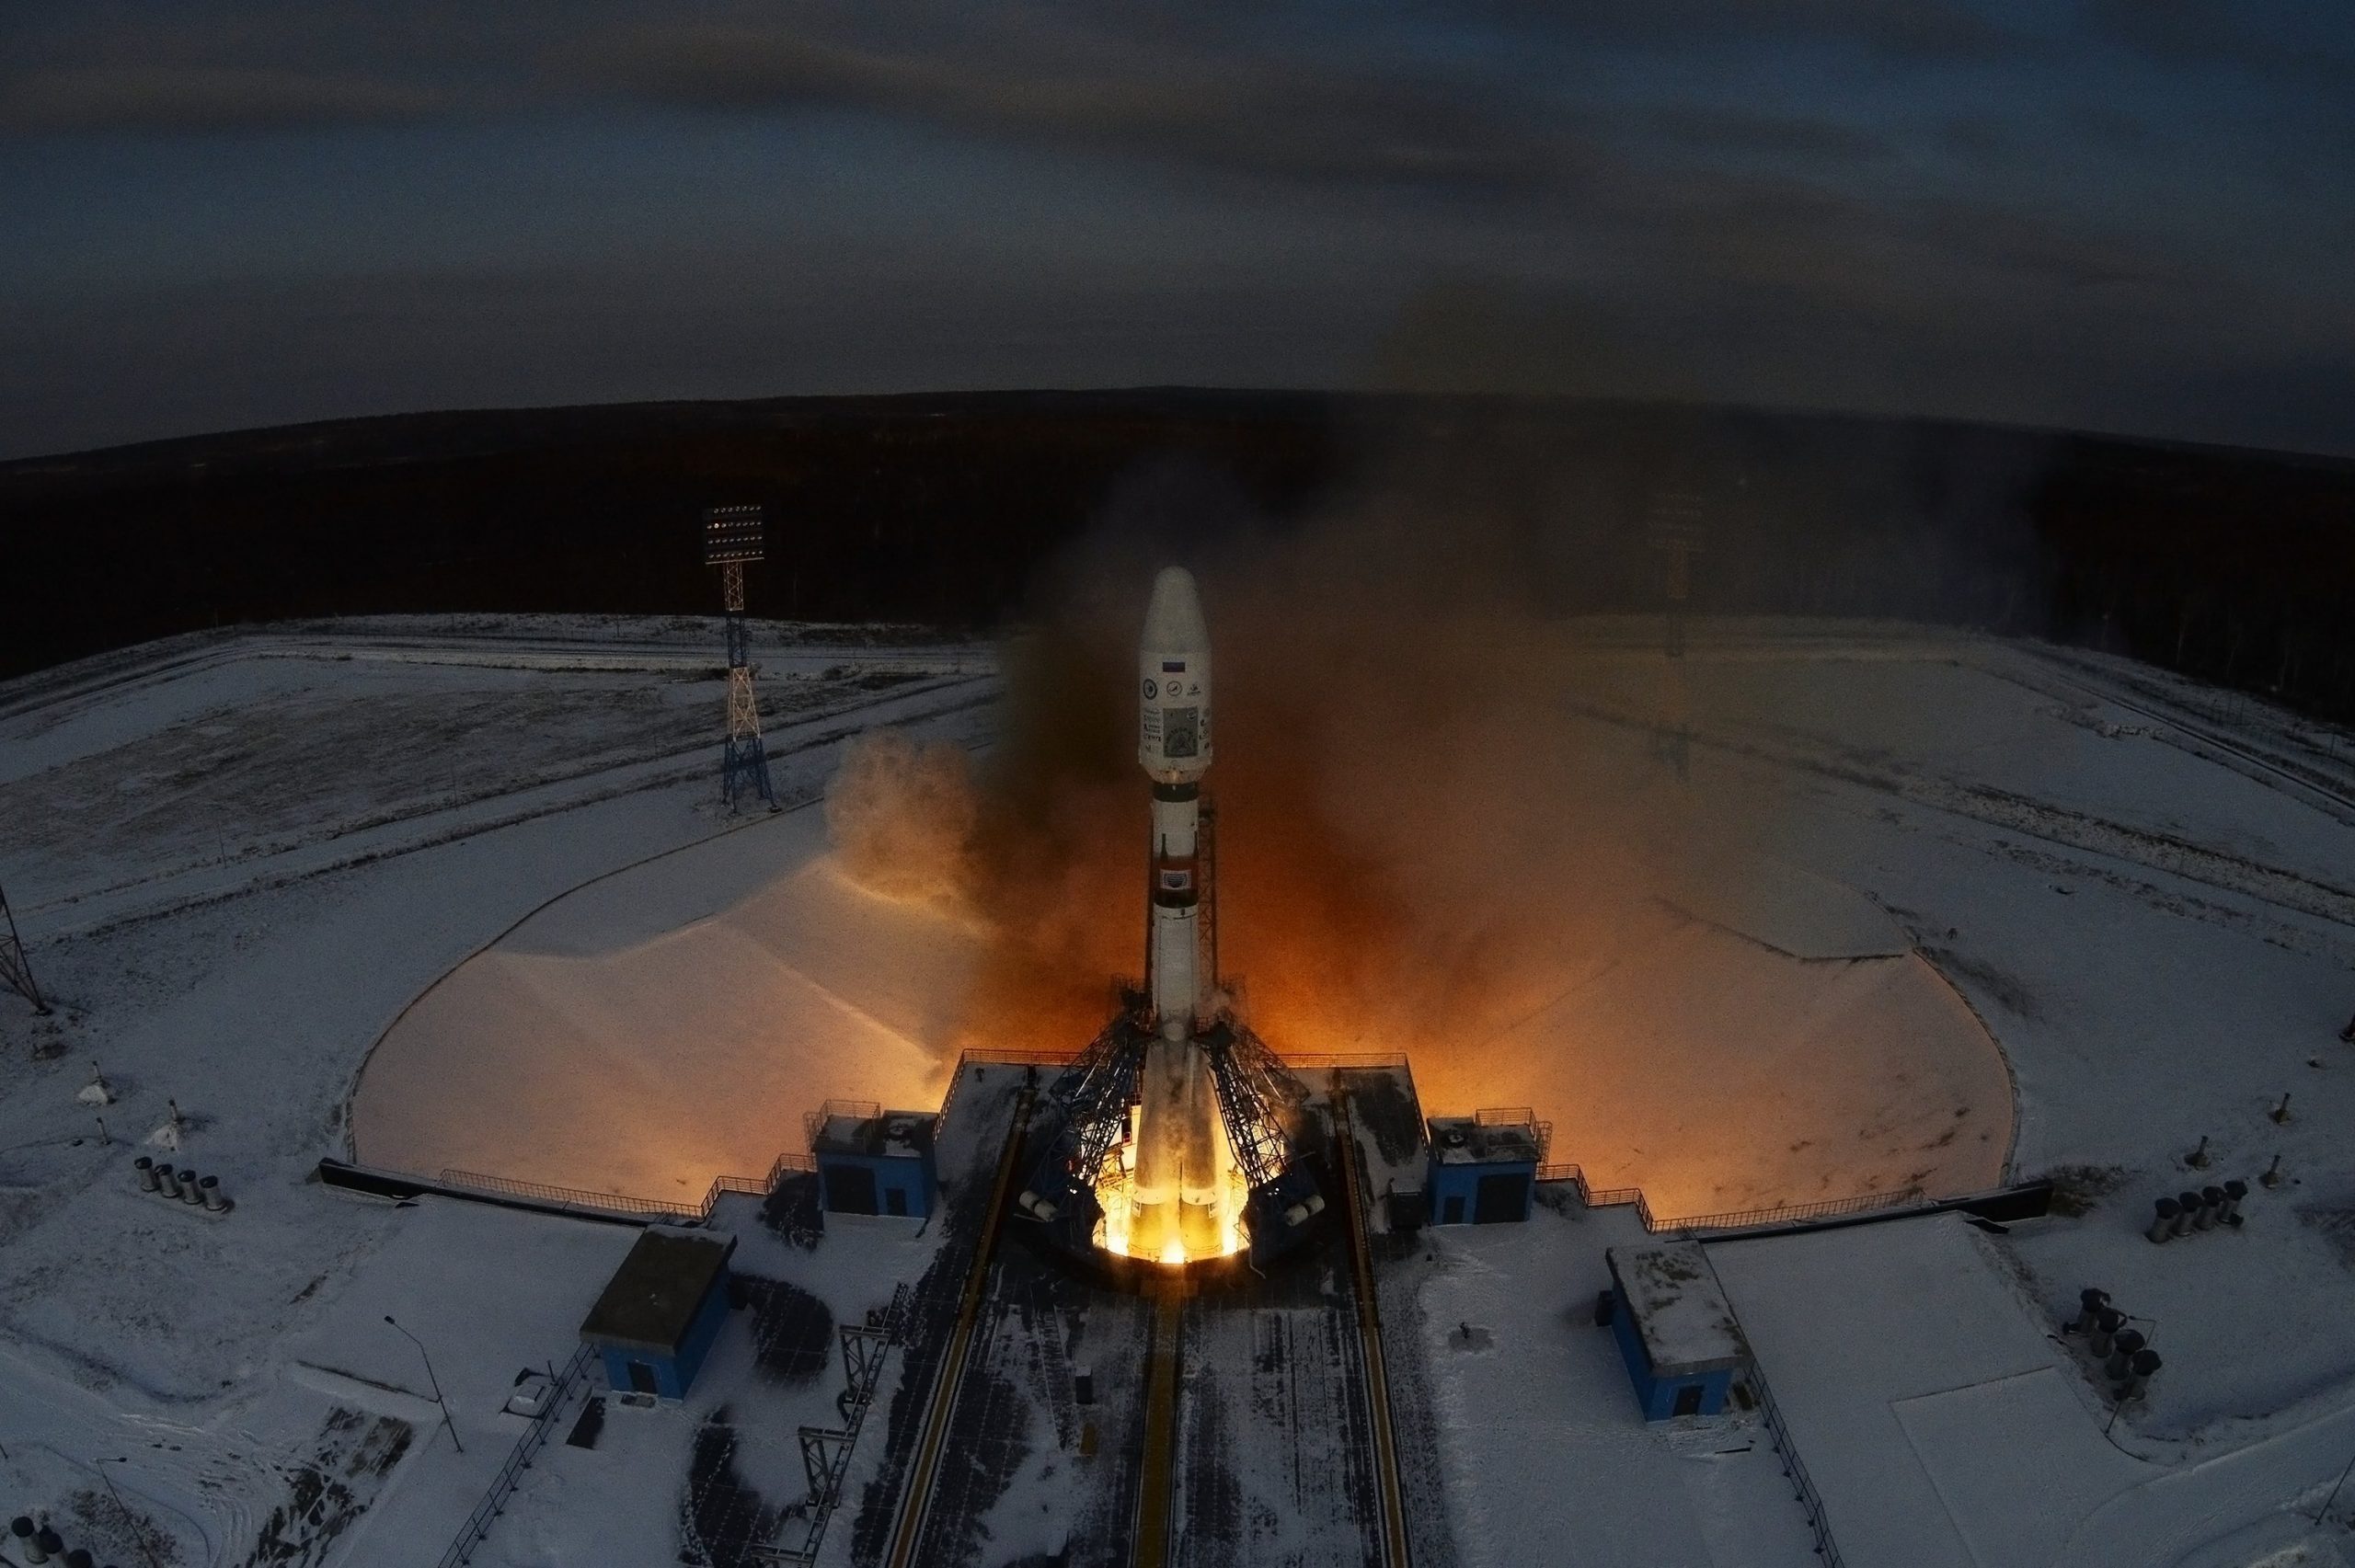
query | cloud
(197,98)
(1712,128)
(1188,97)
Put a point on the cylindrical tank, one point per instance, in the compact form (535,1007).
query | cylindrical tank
(2234,1190)
(209,1189)
(2090,1301)
(2211,1207)
(2107,1323)
(2163,1224)
(146,1169)
(190,1193)
(2138,1374)
(2190,1215)
(44,1545)
(169,1180)
(80,1558)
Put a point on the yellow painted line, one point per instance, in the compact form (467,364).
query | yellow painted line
(1386,1449)
(918,1497)
(1154,1491)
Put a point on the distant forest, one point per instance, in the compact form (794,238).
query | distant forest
(2236,567)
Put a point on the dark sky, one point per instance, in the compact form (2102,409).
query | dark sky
(2132,215)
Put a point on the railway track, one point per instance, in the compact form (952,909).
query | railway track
(1275,1387)
(925,1470)
(1385,1441)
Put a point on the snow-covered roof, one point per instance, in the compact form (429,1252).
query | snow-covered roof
(1924,1398)
(905,1135)
(1467,1140)
(1680,1313)
(653,1297)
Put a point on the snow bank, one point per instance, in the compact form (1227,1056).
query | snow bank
(670,1023)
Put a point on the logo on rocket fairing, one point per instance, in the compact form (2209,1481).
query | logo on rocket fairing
(1181,732)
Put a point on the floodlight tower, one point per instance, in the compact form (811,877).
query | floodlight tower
(16,970)
(732,536)
(1676,528)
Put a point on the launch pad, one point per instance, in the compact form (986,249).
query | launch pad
(1248,1183)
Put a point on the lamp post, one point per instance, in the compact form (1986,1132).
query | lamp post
(130,1520)
(433,1380)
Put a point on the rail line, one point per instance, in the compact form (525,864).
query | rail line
(1156,1488)
(918,1500)
(1377,1379)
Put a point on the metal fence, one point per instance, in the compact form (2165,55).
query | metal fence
(573,1380)
(825,1453)
(1342,1058)
(1802,1486)
(623,1206)
(814,1122)
(1737,1220)
(567,1197)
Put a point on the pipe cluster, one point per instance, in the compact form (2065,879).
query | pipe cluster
(2123,1354)
(184,1185)
(2201,1210)
(39,1543)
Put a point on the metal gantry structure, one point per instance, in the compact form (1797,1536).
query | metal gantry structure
(1086,1116)
(16,970)
(1677,528)
(733,538)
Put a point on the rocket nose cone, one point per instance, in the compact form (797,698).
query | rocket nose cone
(1174,619)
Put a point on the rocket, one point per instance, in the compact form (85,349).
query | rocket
(1174,749)
(1181,1157)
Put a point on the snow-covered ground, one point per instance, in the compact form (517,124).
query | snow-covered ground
(242,862)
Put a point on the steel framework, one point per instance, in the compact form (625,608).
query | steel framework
(16,970)
(733,536)
(1256,1099)
(1679,525)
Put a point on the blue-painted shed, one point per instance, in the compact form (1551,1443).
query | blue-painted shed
(875,1161)
(1483,1168)
(1675,1329)
(661,1313)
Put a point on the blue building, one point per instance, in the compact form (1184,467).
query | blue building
(1675,1329)
(1483,1168)
(874,1161)
(661,1313)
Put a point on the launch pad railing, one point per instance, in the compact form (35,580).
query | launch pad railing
(571,1380)
(1811,1501)
(621,1204)
(1737,1220)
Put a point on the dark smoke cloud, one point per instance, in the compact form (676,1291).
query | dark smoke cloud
(1421,847)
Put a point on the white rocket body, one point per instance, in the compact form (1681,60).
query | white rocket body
(1174,749)
(1178,1166)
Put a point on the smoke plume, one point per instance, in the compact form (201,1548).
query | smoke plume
(902,815)
(1444,816)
